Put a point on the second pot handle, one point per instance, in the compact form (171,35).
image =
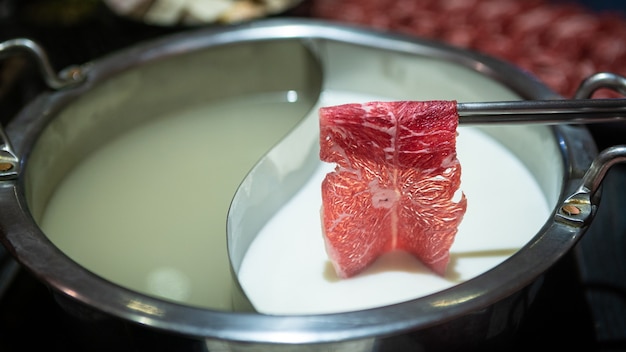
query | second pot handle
(578,208)
(9,162)
(66,78)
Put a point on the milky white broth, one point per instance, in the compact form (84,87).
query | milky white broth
(286,269)
(148,210)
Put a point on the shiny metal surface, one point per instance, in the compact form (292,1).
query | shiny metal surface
(46,134)
(600,80)
(68,77)
(9,161)
(580,111)
(578,208)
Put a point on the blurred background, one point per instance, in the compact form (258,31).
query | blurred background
(583,304)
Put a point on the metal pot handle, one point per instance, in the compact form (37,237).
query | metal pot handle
(66,78)
(578,208)
(9,162)
(600,80)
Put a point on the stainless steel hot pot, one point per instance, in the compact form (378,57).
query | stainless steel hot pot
(92,103)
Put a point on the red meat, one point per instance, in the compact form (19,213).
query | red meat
(560,42)
(394,184)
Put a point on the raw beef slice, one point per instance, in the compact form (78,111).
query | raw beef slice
(394,184)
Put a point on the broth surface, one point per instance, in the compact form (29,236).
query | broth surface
(286,269)
(148,210)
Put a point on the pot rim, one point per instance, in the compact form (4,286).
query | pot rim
(33,250)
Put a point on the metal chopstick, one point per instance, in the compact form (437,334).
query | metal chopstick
(573,111)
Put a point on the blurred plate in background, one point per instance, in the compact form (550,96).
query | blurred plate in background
(198,12)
